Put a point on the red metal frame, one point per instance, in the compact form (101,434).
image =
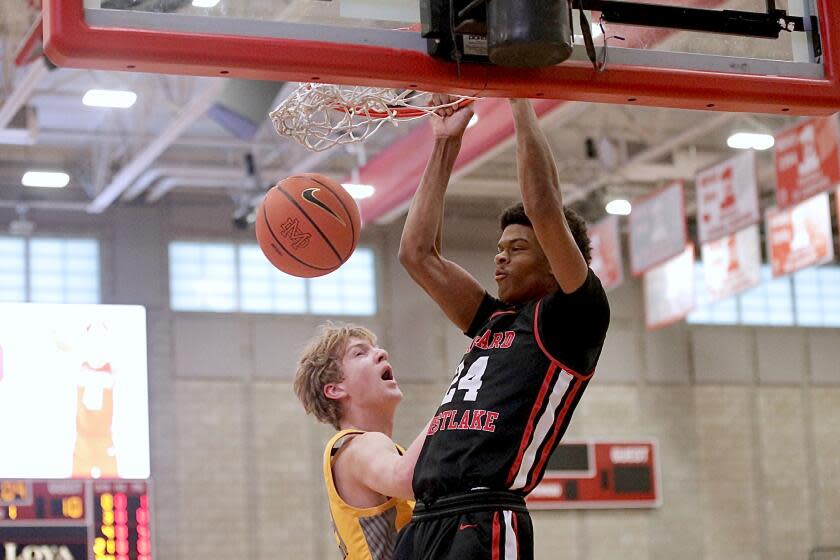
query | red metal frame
(70,41)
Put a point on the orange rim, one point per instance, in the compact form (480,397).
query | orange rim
(403,112)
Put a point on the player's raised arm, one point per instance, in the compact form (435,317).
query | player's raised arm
(456,292)
(542,200)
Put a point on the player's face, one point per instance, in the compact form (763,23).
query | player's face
(522,270)
(368,377)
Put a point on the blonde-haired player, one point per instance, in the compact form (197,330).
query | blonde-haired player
(345,379)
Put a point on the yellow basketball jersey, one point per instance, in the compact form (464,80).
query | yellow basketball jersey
(363,533)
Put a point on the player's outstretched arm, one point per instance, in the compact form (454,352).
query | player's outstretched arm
(454,289)
(375,463)
(541,197)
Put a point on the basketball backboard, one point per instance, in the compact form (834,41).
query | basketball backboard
(379,42)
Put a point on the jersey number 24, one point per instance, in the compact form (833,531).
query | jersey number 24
(471,382)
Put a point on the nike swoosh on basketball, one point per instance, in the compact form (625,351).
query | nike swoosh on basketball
(309,196)
(463,526)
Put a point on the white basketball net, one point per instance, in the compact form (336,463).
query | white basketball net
(320,116)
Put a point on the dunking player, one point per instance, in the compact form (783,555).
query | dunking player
(533,352)
(344,379)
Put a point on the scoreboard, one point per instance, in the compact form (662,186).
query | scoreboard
(600,474)
(75,520)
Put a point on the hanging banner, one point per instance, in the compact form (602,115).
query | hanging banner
(800,236)
(657,228)
(669,290)
(727,197)
(606,252)
(807,160)
(732,264)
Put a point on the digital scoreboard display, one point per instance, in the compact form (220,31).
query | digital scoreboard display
(600,474)
(75,520)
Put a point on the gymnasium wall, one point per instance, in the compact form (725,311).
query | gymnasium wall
(747,419)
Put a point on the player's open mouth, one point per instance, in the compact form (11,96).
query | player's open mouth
(388,375)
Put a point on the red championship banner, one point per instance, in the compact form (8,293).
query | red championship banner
(657,228)
(669,290)
(800,236)
(807,160)
(732,264)
(606,252)
(727,197)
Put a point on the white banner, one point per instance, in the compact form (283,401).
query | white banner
(657,228)
(727,197)
(606,252)
(669,290)
(800,236)
(732,264)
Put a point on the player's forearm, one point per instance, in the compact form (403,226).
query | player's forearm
(538,179)
(422,231)
(404,467)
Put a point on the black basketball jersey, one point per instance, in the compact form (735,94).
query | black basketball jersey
(513,393)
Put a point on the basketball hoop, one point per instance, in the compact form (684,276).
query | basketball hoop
(320,116)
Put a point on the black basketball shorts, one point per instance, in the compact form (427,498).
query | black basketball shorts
(481,524)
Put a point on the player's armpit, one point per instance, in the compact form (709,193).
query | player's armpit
(573,326)
(373,460)
(455,290)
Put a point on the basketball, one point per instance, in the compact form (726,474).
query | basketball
(308,225)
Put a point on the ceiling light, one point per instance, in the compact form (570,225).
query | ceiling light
(359,192)
(473,121)
(109,98)
(619,207)
(46,179)
(750,141)
(204,3)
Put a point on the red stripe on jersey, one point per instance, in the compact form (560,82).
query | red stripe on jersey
(549,446)
(496,540)
(547,354)
(545,389)
(497,313)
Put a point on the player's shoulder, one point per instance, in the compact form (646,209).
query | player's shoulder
(359,445)
(590,291)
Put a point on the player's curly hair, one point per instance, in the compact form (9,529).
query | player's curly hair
(320,364)
(516,215)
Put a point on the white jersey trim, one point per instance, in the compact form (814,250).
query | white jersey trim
(511,545)
(543,429)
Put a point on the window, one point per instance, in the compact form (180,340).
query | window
(12,269)
(817,295)
(769,303)
(350,290)
(721,312)
(808,298)
(202,276)
(49,270)
(265,289)
(231,277)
